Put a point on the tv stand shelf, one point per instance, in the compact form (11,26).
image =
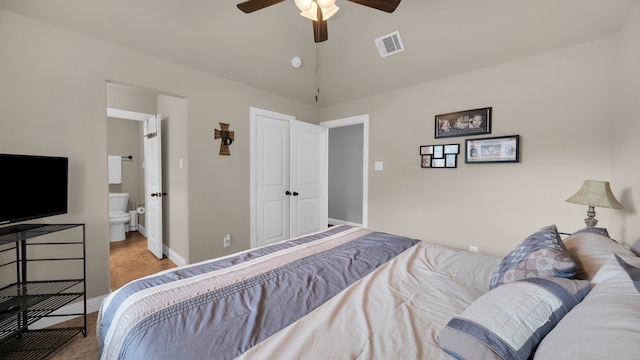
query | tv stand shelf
(25,301)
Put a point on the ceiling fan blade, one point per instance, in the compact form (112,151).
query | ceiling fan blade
(320,32)
(254,5)
(383,5)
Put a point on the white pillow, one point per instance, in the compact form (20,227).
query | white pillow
(509,321)
(606,324)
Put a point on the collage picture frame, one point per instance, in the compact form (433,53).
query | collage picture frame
(439,156)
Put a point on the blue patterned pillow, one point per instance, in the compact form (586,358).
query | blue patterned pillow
(509,322)
(539,255)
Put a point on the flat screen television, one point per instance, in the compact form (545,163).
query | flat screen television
(32,187)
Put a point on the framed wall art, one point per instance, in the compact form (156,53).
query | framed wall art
(493,149)
(463,123)
(439,156)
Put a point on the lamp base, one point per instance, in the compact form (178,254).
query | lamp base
(591,220)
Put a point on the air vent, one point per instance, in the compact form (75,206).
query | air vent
(389,44)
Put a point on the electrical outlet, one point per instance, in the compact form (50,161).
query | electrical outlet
(227,241)
(473,248)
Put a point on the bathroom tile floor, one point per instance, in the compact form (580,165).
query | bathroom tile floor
(130,259)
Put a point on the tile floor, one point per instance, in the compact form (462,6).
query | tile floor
(130,259)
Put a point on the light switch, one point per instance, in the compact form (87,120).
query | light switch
(377,166)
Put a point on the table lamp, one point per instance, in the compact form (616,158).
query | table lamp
(595,193)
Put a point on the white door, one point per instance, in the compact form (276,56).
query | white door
(153,184)
(308,178)
(288,177)
(272,170)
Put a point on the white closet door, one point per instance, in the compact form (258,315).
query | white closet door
(272,170)
(288,180)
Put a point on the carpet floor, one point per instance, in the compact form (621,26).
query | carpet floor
(80,347)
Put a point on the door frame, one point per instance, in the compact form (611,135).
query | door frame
(141,117)
(354,120)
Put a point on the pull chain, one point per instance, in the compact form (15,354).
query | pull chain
(317,72)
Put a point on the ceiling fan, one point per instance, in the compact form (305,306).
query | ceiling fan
(319,11)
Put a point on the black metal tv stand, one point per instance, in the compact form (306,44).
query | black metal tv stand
(19,228)
(35,294)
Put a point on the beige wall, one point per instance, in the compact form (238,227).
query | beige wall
(131,98)
(562,106)
(626,172)
(53,100)
(175,181)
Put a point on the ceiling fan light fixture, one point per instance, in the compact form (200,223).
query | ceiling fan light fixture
(326,4)
(304,5)
(326,13)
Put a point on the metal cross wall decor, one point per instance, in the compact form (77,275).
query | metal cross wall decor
(226,136)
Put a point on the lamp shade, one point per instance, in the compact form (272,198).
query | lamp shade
(595,193)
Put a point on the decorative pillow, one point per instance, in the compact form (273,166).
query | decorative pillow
(606,324)
(591,250)
(539,255)
(509,321)
(635,248)
(611,269)
(597,230)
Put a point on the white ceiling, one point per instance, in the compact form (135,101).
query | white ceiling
(442,38)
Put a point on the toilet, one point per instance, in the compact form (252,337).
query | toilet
(118,215)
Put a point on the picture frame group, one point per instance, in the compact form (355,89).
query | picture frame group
(463,123)
(492,149)
(439,156)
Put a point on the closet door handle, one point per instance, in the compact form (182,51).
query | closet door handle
(295,193)
(159,194)
(288,193)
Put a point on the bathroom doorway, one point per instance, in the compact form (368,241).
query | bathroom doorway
(125,138)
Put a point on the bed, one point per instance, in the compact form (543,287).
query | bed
(353,293)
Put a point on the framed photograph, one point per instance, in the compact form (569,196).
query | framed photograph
(438,163)
(438,151)
(492,150)
(426,149)
(450,160)
(452,149)
(426,161)
(463,123)
(439,156)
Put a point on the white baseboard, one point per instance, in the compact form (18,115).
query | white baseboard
(93,305)
(142,230)
(177,259)
(342,222)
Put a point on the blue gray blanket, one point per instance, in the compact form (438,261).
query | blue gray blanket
(218,309)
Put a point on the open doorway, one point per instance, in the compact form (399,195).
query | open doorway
(348,158)
(127,109)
